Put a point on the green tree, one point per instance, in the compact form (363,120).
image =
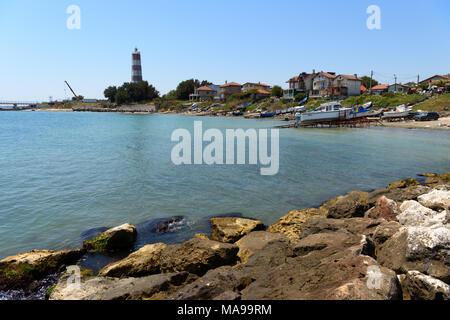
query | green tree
(277,91)
(185,88)
(300,96)
(366,82)
(133,92)
(110,93)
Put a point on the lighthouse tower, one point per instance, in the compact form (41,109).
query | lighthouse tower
(136,67)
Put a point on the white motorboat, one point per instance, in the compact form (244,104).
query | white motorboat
(326,112)
(398,112)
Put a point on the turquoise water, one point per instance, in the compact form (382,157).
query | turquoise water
(64,173)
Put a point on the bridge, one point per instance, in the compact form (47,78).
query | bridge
(20,104)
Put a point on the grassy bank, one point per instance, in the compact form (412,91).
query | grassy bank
(437,104)
(387,100)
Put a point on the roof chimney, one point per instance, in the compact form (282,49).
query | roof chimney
(356,76)
(226,81)
(314,71)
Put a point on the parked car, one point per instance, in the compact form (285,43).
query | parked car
(426,116)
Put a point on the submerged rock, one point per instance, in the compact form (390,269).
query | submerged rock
(99,288)
(231,229)
(118,238)
(143,262)
(290,224)
(170,225)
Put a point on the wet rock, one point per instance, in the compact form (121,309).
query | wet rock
(414,214)
(231,229)
(256,241)
(353,204)
(436,200)
(419,286)
(99,288)
(118,238)
(439,180)
(37,264)
(215,284)
(143,262)
(424,249)
(170,225)
(384,208)
(290,224)
(197,256)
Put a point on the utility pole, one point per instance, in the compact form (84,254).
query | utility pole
(371,76)
(395,86)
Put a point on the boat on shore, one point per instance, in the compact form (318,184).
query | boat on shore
(399,112)
(267,115)
(326,112)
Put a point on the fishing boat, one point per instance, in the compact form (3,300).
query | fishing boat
(326,112)
(399,112)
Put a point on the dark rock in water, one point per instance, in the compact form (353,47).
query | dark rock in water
(115,239)
(20,290)
(173,224)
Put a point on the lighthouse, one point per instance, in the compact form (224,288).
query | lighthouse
(136,67)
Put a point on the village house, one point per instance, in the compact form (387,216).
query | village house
(302,83)
(322,84)
(227,89)
(345,86)
(379,89)
(399,88)
(250,85)
(437,78)
(205,93)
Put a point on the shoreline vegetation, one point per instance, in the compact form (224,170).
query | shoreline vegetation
(388,244)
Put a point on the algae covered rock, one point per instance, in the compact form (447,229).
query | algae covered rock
(290,224)
(231,229)
(118,238)
(37,263)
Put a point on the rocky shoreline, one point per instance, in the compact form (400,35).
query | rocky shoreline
(389,244)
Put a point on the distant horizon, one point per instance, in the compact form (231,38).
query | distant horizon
(250,41)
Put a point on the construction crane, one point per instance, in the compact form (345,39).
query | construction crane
(77,98)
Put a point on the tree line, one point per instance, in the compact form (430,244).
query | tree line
(131,92)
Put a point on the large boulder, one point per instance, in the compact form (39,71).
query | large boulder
(383,233)
(143,262)
(197,256)
(256,241)
(37,263)
(384,208)
(290,224)
(418,286)
(403,184)
(231,229)
(321,271)
(415,214)
(353,204)
(99,288)
(424,249)
(115,239)
(436,199)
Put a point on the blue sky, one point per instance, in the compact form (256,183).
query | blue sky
(245,40)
